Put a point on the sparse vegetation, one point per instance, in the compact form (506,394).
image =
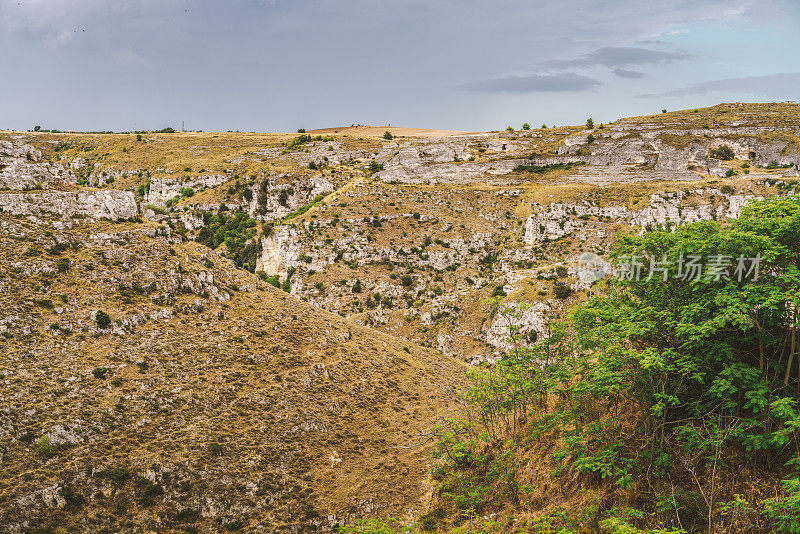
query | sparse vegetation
(723,152)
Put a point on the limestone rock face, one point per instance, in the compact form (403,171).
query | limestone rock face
(273,201)
(561,219)
(21,168)
(114,205)
(279,251)
(165,189)
(448,173)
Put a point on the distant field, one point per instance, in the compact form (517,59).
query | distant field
(378,131)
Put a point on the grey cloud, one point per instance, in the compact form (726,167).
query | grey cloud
(250,64)
(782,85)
(535,83)
(625,73)
(620,56)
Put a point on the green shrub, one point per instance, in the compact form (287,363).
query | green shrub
(44,447)
(62,265)
(536,169)
(723,152)
(316,200)
(102,319)
(561,290)
(498,291)
(272,280)
(388,136)
(100,373)
(237,232)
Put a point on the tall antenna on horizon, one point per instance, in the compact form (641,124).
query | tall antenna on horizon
(183,126)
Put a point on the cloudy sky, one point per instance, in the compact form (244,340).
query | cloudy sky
(278,65)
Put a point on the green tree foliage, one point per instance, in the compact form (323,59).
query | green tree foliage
(662,389)
(305,138)
(541,169)
(374,167)
(237,231)
(723,152)
(388,135)
(102,319)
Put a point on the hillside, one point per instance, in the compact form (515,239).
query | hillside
(286,316)
(150,385)
(432,227)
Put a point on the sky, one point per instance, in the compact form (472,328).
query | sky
(280,65)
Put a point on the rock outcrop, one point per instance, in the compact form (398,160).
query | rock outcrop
(22,170)
(113,205)
(560,219)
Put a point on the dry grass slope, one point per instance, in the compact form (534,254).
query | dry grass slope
(211,400)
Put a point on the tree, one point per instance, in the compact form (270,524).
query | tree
(661,388)
(388,136)
(711,361)
(723,152)
(590,138)
(589,124)
(301,130)
(526,126)
(37,128)
(509,129)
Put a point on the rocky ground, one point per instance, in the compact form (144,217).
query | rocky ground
(150,385)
